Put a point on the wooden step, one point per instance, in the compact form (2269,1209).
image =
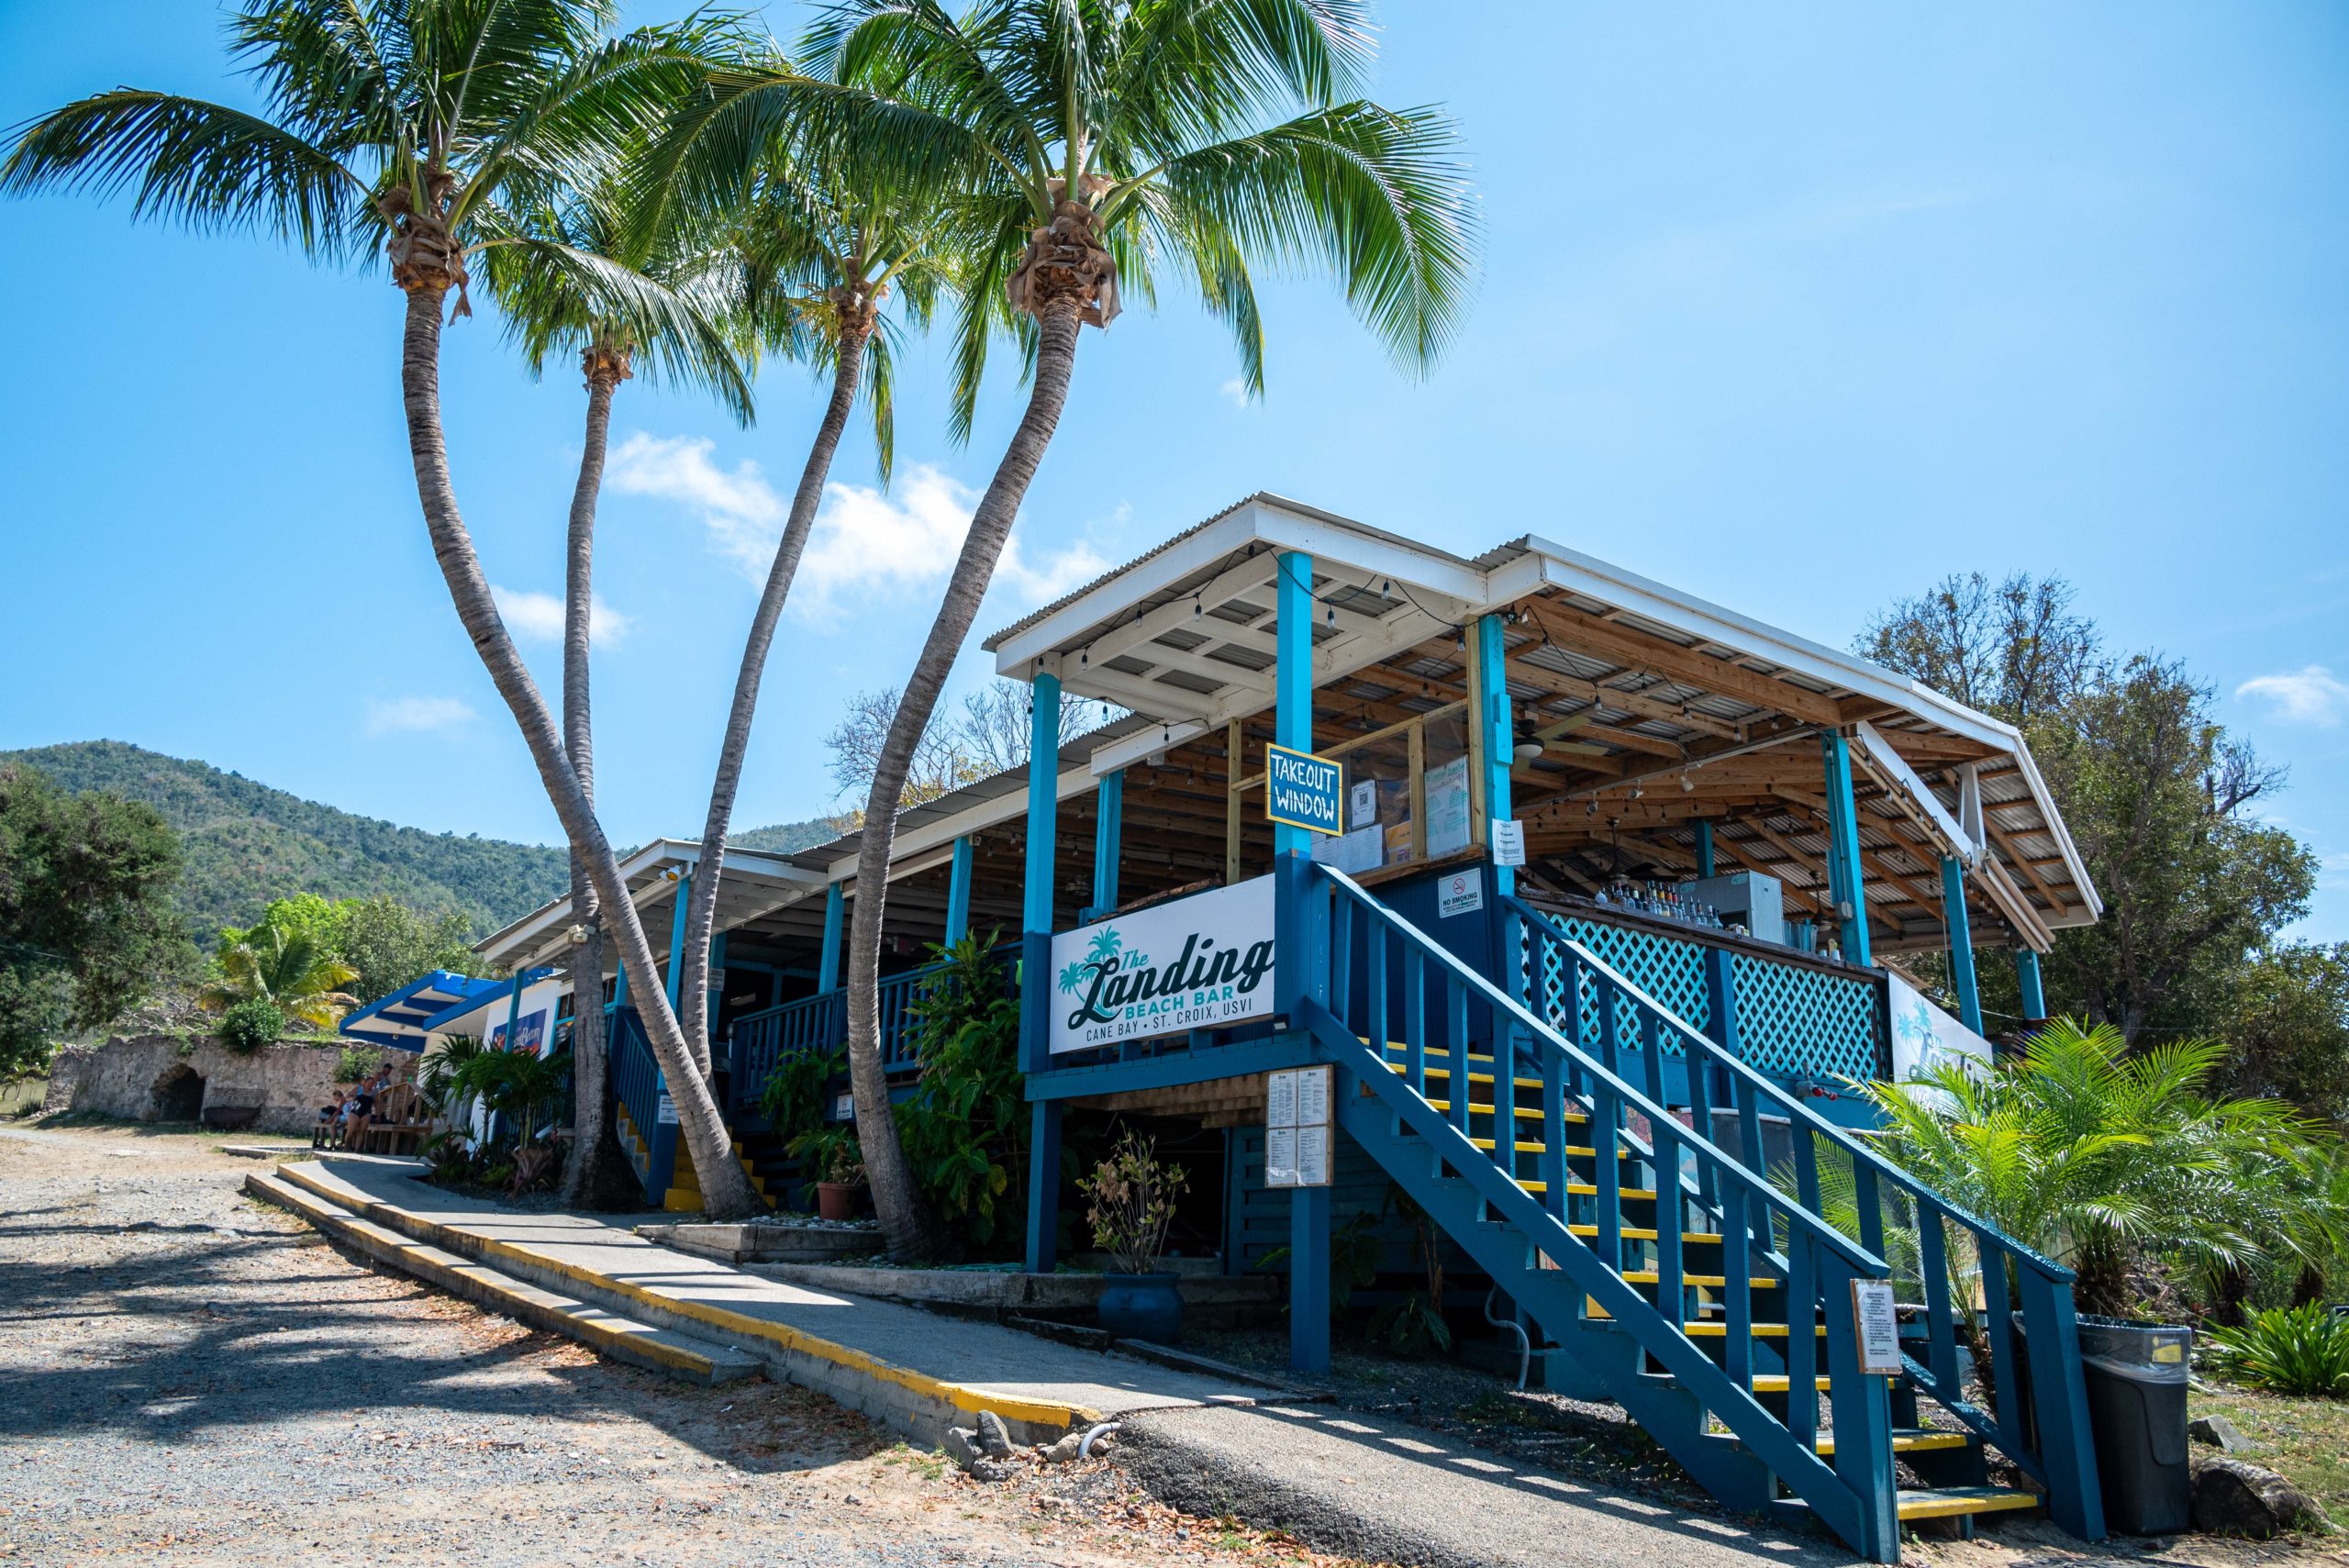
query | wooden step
(1524,1112)
(1641,1233)
(1909,1440)
(1714,1329)
(1958,1502)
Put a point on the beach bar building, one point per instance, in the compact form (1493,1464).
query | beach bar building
(1552,895)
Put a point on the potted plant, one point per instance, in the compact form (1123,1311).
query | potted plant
(832,1154)
(1132,1202)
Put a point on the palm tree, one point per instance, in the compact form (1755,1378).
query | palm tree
(420,126)
(288,970)
(825,242)
(2093,1155)
(536,278)
(1094,144)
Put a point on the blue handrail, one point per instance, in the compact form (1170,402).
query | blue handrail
(759,1041)
(1445,997)
(2061,1459)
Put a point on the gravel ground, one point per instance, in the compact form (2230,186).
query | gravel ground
(187,1378)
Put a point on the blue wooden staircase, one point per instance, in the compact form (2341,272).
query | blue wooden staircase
(1605,1164)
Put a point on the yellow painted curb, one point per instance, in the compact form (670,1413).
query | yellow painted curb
(495,1289)
(780,1335)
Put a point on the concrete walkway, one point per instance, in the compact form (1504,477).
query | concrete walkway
(919,1372)
(1363,1486)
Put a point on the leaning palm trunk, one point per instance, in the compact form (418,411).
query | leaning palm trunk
(593,1149)
(427,267)
(702,910)
(907,1222)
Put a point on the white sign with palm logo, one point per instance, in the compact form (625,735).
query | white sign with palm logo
(1200,962)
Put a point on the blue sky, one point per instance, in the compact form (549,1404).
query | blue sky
(1797,308)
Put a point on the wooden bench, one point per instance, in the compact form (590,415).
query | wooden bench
(399,1124)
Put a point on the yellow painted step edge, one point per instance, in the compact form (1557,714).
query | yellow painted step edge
(1905,1443)
(780,1335)
(1960,1501)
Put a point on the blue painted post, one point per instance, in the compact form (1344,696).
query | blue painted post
(1721,1019)
(1961,944)
(958,893)
(1846,885)
(827,964)
(2059,1399)
(1309,1280)
(1308,1224)
(619,989)
(677,936)
(1043,800)
(514,1005)
(717,989)
(1043,1186)
(2034,1000)
(1500,735)
(1108,831)
(1704,847)
(1035,970)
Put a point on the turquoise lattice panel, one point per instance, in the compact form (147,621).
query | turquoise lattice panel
(1673,972)
(1795,1021)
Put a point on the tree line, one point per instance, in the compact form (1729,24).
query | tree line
(684,200)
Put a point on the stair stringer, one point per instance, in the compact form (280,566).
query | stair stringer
(1672,1411)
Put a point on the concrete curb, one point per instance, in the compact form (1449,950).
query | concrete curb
(639,1344)
(912,1402)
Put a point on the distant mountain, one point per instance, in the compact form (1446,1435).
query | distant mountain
(785,837)
(245,843)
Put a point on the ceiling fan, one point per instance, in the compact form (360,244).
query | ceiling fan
(1534,741)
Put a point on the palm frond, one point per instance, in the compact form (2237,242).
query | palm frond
(207,166)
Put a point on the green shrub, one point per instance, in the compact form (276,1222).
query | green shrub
(356,1061)
(2295,1349)
(248,1026)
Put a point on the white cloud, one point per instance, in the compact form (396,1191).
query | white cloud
(868,545)
(1236,390)
(402,714)
(2310,694)
(743,513)
(540,615)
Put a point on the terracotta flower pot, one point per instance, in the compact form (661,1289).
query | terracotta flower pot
(839,1200)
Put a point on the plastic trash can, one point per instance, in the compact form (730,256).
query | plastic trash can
(2136,1385)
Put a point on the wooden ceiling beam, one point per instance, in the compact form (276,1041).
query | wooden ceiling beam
(1580,633)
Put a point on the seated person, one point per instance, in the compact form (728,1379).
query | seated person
(357,1111)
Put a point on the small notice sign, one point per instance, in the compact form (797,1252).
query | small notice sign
(1302,790)
(1460,893)
(1297,1127)
(1508,843)
(665,1113)
(1877,1325)
(1361,804)
(844,1108)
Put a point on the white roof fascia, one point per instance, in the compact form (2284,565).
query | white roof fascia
(1893,769)
(1326,536)
(1134,747)
(1651,600)
(2061,834)
(528,936)
(1017,657)
(1244,578)
(1011,803)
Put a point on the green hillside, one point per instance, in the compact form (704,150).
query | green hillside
(245,843)
(785,837)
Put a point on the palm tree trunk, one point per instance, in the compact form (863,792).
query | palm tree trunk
(727,1189)
(911,1230)
(701,912)
(593,1147)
